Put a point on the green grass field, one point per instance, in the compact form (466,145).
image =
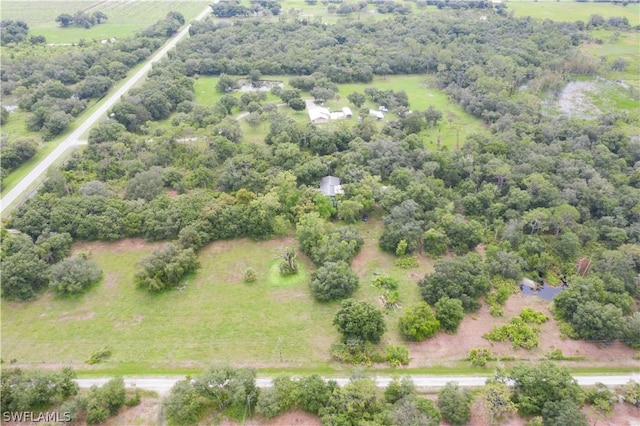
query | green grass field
(215,318)
(569,10)
(125,17)
(454,127)
(615,45)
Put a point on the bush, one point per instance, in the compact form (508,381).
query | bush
(333,281)
(517,332)
(99,356)
(355,352)
(419,323)
(249,275)
(165,268)
(531,316)
(455,404)
(74,275)
(397,355)
(479,356)
(449,313)
(406,262)
(359,321)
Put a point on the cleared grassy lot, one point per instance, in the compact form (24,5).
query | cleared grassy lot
(215,318)
(126,17)
(454,127)
(569,10)
(612,45)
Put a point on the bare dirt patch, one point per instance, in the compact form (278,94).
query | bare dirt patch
(126,244)
(290,418)
(574,101)
(446,348)
(82,315)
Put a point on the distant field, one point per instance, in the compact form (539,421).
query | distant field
(614,45)
(126,17)
(455,125)
(217,317)
(568,10)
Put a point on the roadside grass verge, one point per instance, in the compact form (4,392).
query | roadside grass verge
(570,11)
(125,17)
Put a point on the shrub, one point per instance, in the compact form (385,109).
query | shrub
(333,281)
(419,323)
(519,333)
(385,282)
(406,262)
(249,275)
(99,356)
(479,356)
(397,355)
(165,268)
(531,316)
(74,275)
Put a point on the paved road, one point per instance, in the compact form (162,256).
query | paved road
(164,385)
(23,186)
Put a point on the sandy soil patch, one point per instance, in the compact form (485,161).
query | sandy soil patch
(126,244)
(82,315)
(574,101)
(446,348)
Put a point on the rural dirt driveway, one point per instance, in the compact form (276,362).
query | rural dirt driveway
(164,385)
(26,183)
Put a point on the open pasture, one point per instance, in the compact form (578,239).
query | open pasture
(570,11)
(126,17)
(216,317)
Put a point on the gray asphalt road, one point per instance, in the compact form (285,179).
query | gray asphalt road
(164,385)
(21,189)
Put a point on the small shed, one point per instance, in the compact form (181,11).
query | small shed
(330,186)
(347,112)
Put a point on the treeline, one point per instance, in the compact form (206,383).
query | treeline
(81,19)
(32,391)
(534,395)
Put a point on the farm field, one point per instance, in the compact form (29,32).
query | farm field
(569,10)
(126,17)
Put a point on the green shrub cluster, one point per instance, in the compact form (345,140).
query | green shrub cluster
(479,356)
(99,356)
(518,332)
(532,316)
(406,262)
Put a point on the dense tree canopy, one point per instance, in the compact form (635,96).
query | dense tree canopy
(359,321)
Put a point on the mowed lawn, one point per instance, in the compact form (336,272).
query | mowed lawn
(216,317)
(126,17)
